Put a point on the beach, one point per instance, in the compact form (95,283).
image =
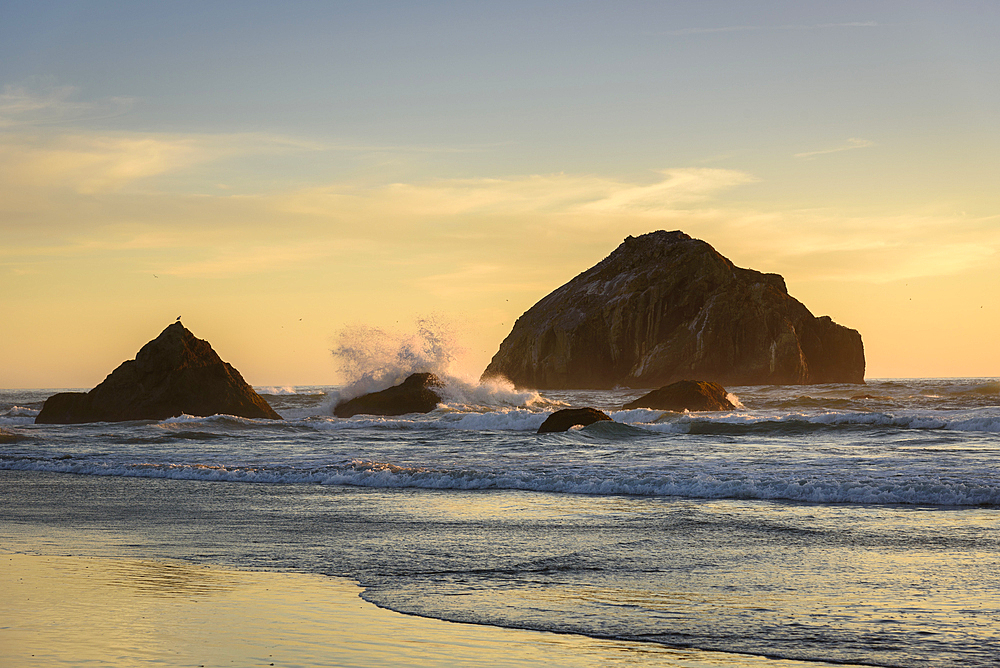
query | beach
(92,611)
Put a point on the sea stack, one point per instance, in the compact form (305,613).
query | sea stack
(174,374)
(685,395)
(568,418)
(417,394)
(664,307)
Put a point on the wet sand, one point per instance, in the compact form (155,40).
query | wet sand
(89,611)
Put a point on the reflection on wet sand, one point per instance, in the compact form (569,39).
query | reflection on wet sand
(166,578)
(113,612)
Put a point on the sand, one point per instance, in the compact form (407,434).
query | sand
(99,611)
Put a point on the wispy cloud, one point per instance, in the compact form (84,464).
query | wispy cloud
(533,194)
(817,26)
(238,260)
(89,163)
(35,103)
(852,144)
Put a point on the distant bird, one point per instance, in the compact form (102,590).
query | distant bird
(178,318)
(155,276)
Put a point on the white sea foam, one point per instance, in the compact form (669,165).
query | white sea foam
(14,421)
(287,390)
(638,415)
(219,419)
(470,395)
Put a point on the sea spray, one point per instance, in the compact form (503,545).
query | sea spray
(371,358)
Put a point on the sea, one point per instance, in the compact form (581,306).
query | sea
(851,524)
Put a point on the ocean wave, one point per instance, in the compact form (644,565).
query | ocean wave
(18,415)
(444,417)
(20,411)
(232,421)
(746,423)
(520,419)
(7,436)
(287,390)
(920,489)
(989,388)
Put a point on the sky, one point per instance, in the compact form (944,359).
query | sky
(291,178)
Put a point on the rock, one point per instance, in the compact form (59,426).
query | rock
(173,374)
(690,395)
(571,417)
(413,395)
(664,307)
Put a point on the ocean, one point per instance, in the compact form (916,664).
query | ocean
(837,523)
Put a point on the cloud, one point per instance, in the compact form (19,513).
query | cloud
(37,103)
(852,144)
(480,279)
(89,163)
(817,26)
(115,195)
(236,259)
(561,194)
(678,187)
(823,245)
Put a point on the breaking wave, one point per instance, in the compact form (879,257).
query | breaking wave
(928,489)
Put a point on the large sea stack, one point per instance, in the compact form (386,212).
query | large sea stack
(665,307)
(174,374)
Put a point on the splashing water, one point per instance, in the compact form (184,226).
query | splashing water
(371,359)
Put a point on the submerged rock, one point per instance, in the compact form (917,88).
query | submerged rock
(571,417)
(174,374)
(664,307)
(686,395)
(413,395)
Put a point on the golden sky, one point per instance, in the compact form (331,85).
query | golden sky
(279,176)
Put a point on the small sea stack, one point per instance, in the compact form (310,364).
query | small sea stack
(174,374)
(685,395)
(416,394)
(568,418)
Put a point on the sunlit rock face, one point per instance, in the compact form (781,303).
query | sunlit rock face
(665,307)
(176,373)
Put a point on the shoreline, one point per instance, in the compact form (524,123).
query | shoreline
(105,611)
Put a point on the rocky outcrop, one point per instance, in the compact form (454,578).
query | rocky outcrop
(413,395)
(685,395)
(173,374)
(664,307)
(571,417)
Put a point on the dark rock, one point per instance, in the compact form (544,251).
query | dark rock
(664,307)
(173,374)
(413,395)
(571,417)
(686,395)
